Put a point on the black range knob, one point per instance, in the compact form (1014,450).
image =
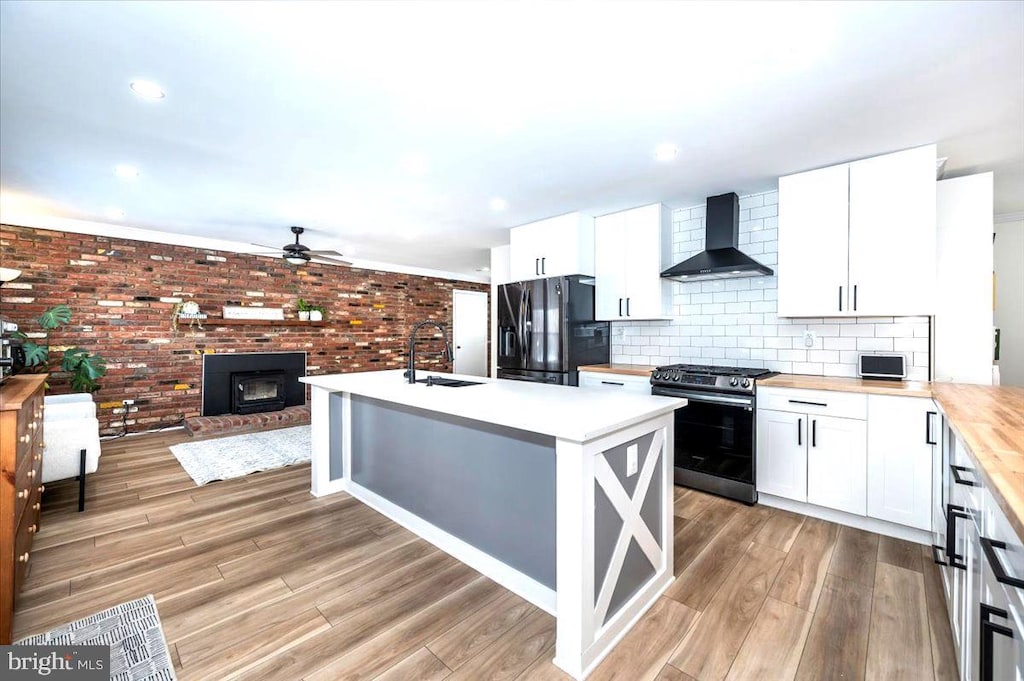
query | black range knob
(746,383)
(734,381)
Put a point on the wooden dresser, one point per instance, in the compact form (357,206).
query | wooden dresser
(21,468)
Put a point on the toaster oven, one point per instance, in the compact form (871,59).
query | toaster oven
(12,355)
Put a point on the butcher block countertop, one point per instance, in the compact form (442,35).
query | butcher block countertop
(848,385)
(629,369)
(989,420)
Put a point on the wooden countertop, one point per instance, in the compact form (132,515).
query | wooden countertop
(630,369)
(16,389)
(848,385)
(989,420)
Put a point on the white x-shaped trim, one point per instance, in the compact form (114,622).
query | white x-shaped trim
(633,526)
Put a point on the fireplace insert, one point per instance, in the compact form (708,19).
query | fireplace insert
(257,391)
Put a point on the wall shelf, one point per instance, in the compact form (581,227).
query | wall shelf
(217,321)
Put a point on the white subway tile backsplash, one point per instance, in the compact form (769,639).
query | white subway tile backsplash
(734,321)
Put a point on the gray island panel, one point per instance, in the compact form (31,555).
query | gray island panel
(491,486)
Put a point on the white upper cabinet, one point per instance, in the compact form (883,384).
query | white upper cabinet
(901,432)
(892,233)
(630,250)
(554,247)
(858,239)
(813,242)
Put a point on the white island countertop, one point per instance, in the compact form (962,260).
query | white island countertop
(565,412)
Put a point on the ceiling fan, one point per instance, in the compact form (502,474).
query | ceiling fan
(298,254)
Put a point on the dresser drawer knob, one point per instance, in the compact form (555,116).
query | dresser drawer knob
(23,558)
(32,528)
(24,438)
(33,425)
(22,494)
(42,488)
(32,473)
(35,506)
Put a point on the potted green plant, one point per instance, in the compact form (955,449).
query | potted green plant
(316,313)
(85,368)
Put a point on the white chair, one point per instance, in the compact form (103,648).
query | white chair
(72,435)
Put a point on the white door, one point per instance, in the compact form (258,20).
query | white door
(892,233)
(813,243)
(641,248)
(609,267)
(837,464)
(900,460)
(469,332)
(782,454)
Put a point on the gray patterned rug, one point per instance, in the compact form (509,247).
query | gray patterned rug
(138,650)
(232,457)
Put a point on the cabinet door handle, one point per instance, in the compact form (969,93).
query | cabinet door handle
(536,266)
(840,298)
(814,432)
(543,266)
(961,481)
(813,404)
(799,432)
(988,631)
(854,297)
(627,307)
(611,383)
(936,552)
(928,428)
(620,307)
(990,546)
(953,512)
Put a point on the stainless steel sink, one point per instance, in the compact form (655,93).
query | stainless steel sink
(446,382)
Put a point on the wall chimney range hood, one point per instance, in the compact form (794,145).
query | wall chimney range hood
(720,259)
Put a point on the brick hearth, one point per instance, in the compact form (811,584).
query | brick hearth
(207,426)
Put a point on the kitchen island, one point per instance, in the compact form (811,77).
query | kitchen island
(562,495)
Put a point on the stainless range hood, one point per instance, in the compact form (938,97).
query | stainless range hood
(720,259)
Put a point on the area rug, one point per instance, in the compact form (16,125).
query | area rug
(138,650)
(232,457)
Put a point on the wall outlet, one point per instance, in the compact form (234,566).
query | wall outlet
(632,457)
(127,403)
(618,331)
(809,339)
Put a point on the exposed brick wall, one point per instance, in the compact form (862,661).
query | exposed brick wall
(122,292)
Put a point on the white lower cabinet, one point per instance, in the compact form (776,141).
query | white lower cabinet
(901,453)
(782,454)
(622,382)
(837,464)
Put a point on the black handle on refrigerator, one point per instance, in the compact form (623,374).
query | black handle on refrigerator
(989,546)
(987,638)
(928,428)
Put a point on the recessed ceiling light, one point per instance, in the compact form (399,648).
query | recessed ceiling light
(126,172)
(147,89)
(666,152)
(114,213)
(499,204)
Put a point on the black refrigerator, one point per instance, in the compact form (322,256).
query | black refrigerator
(546,330)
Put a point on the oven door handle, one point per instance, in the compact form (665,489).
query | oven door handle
(704,397)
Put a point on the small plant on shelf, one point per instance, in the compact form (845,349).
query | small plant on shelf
(310,311)
(84,367)
(317,313)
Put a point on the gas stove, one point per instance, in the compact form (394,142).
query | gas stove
(708,377)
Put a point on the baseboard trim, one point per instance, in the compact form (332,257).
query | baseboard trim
(882,527)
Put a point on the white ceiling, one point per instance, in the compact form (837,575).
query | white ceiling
(318,114)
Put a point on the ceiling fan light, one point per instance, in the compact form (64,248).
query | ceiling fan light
(296,258)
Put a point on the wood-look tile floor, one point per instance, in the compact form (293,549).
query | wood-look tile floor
(256,579)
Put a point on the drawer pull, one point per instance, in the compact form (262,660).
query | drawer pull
(813,404)
(23,494)
(959,480)
(32,425)
(35,506)
(24,438)
(937,551)
(23,558)
(990,546)
(989,629)
(42,488)
(611,383)
(32,473)
(32,528)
